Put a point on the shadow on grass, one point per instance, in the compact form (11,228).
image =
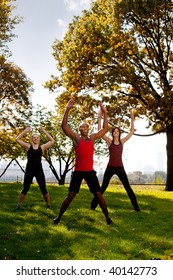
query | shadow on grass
(83,234)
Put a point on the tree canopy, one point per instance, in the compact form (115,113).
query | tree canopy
(15,87)
(121,52)
(7,24)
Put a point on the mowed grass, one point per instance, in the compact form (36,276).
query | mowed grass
(28,234)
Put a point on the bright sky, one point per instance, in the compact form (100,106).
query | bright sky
(45,21)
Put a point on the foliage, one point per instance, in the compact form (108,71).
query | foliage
(15,87)
(61,152)
(8,146)
(7,24)
(158,177)
(120,51)
(83,234)
(14,94)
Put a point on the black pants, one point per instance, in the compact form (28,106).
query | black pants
(90,178)
(39,175)
(120,172)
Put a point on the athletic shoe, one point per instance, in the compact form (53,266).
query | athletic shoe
(56,221)
(108,221)
(137,209)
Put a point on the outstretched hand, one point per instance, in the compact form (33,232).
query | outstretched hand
(41,129)
(27,129)
(102,108)
(70,104)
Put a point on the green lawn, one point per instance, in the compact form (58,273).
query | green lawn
(28,234)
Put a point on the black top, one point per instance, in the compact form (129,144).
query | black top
(34,159)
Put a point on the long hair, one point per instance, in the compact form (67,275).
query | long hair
(113,129)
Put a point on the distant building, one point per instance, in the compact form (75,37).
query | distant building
(160,161)
(149,169)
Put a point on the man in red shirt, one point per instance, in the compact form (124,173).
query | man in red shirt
(83,169)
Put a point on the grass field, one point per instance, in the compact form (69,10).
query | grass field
(28,234)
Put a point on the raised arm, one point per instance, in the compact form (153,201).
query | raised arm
(22,143)
(99,119)
(64,124)
(132,128)
(104,128)
(107,139)
(50,138)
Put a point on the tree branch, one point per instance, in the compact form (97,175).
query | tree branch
(142,135)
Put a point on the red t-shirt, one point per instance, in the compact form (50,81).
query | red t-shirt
(115,155)
(84,155)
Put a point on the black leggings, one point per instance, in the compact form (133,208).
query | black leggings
(120,172)
(39,175)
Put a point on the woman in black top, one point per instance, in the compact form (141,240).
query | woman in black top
(34,165)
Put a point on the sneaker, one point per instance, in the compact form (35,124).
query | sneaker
(56,221)
(137,209)
(93,205)
(108,221)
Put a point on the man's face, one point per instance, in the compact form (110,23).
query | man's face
(84,129)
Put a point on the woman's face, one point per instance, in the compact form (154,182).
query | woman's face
(116,132)
(36,138)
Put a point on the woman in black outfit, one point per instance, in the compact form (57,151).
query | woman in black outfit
(115,164)
(34,165)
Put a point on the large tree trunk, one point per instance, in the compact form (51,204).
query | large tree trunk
(62,180)
(169,148)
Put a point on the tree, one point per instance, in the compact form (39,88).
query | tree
(121,52)
(7,24)
(62,153)
(15,87)
(159,177)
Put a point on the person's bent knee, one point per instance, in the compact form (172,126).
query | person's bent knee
(24,192)
(44,192)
